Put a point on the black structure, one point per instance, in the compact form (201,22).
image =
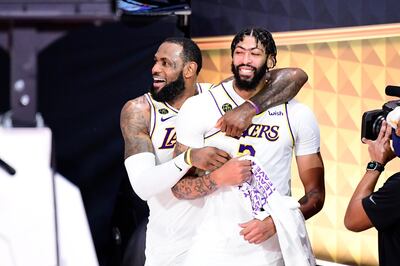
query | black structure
(29,27)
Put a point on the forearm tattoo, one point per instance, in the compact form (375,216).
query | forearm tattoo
(191,187)
(179,149)
(282,86)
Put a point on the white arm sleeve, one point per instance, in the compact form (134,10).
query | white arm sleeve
(148,179)
(192,121)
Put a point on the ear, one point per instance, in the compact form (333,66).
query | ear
(271,61)
(189,70)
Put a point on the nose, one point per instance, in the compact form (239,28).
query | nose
(155,69)
(247,58)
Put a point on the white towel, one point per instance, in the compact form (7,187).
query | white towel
(289,221)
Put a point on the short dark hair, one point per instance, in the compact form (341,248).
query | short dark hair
(261,35)
(190,50)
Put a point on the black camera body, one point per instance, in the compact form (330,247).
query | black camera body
(372,120)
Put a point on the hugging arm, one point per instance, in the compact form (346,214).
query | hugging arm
(282,85)
(146,178)
(225,172)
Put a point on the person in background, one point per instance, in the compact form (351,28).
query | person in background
(381,208)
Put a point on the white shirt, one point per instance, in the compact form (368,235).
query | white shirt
(272,138)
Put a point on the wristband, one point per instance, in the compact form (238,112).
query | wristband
(255,106)
(187,156)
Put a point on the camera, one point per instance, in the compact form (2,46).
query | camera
(372,120)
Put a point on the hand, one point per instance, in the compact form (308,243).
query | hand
(232,173)
(380,149)
(235,121)
(256,231)
(208,158)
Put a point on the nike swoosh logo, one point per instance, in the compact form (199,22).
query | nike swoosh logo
(163,119)
(180,169)
(371,199)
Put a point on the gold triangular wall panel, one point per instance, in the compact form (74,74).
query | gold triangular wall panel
(349,51)
(349,113)
(325,107)
(349,78)
(373,52)
(328,50)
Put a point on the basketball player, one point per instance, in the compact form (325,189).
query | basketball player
(230,226)
(148,127)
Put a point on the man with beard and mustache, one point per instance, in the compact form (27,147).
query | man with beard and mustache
(238,227)
(148,127)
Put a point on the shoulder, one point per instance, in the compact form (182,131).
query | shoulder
(135,113)
(197,100)
(138,104)
(298,109)
(204,87)
(394,180)
(297,106)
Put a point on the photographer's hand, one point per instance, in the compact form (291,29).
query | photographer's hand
(380,149)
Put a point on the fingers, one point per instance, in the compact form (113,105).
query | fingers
(247,227)
(222,124)
(382,131)
(366,141)
(388,131)
(253,233)
(219,123)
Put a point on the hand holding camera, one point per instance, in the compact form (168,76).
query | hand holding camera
(379,149)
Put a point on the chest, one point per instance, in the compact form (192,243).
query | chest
(162,132)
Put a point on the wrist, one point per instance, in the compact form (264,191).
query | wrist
(188,156)
(262,215)
(213,176)
(254,107)
(375,166)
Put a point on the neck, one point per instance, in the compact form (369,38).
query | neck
(247,94)
(190,90)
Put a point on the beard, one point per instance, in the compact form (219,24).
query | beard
(170,91)
(251,84)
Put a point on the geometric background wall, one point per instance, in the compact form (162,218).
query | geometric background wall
(346,78)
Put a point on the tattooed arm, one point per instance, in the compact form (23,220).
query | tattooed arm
(147,178)
(311,171)
(134,122)
(198,183)
(282,85)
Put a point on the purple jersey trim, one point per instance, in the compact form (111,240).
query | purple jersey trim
(148,98)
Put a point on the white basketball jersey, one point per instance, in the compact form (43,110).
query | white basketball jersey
(271,139)
(172,222)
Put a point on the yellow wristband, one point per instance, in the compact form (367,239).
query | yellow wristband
(187,156)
